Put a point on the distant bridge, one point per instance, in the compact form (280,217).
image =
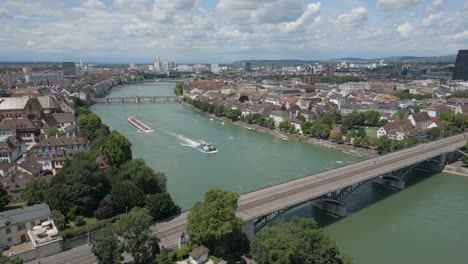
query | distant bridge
(136,99)
(326,190)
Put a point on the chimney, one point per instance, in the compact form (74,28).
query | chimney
(56,135)
(73,134)
(46,136)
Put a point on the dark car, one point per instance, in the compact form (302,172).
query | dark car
(4,247)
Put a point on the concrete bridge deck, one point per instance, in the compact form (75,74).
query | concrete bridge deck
(265,201)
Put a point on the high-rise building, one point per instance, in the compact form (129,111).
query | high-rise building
(131,66)
(27,70)
(461,66)
(157,64)
(69,69)
(215,68)
(247,66)
(329,71)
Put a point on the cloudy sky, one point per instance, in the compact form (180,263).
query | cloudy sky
(228,30)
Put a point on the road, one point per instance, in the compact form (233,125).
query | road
(78,255)
(267,200)
(270,199)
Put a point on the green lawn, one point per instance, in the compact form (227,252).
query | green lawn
(372,131)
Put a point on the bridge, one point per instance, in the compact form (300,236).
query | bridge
(326,190)
(136,99)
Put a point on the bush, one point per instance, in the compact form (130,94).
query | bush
(80,221)
(81,230)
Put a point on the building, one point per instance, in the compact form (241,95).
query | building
(131,66)
(215,68)
(246,67)
(461,66)
(49,146)
(199,255)
(31,231)
(329,71)
(24,129)
(20,108)
(46,78)
(11,149)
(69,69)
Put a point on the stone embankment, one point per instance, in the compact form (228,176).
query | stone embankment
(456,168)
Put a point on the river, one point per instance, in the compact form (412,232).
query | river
(425,223)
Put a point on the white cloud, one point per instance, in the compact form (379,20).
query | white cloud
(437,2)
(395,5)
(94,4)
(358,16)
(165,10)
(260,12)
(31,43)
(404,29)
(461,36)
(310,16)
(3,12)
(432,18)
(136,5)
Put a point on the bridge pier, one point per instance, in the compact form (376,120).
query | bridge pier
(137,99)
(121,100)
(249,229)
(332,207)
(107,100)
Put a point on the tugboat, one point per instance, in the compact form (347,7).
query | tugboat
(207,148)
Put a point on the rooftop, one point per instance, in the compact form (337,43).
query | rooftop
(19,215)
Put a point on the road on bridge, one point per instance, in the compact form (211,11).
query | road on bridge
(271,199)
(267,200)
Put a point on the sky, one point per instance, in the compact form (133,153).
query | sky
(223,31)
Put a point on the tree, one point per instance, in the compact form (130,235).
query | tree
(298,241)
(59,219)
(79,185)
(117,149)
(213,223)
(286,125)
(4,198)
(400,115)
(10,260)
(161,206)
(331,117)
(301,117)
(51,131)
(164,258)
(361,133)
(138,241)
(142,176)
(126,195)
(179,88)
(88,124)
(106,247)
(35,192)
(82,111)
(417,109)
(105,210)
(338,137)
(434,133)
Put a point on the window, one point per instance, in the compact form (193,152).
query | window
(21,227)
(8,231)
(10,240)
(33,223)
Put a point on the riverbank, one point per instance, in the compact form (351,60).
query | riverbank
(288,136)
(456,168)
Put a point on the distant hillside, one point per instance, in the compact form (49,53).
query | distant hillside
(400,59)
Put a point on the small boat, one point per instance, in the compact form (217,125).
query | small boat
(138,124)
(207,148)
(222,123)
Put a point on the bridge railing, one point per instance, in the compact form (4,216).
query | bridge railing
(342,166)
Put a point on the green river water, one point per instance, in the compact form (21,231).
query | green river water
(425,223)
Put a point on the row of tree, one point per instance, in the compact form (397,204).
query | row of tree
(218,110)
(258,119)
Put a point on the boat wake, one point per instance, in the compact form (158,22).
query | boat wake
(187,142)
